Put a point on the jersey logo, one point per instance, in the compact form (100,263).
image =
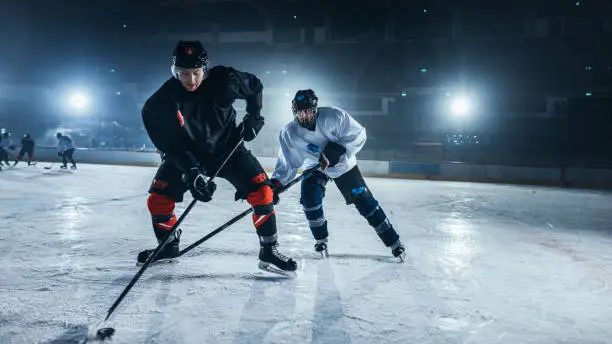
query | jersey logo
(158,184)
(181,120)
(188,50)
(312,148)
(358,190)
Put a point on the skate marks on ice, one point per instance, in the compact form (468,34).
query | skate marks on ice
(74,334)
(163,326)
(393,303)
(308,309)
(329,309)
(310,255)
(260,276)
(271,304)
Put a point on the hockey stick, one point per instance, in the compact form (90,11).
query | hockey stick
(108,331)
(52,164)
(247,212)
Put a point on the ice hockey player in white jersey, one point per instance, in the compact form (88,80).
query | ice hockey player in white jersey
(331,136)
(65,150)
(5,145)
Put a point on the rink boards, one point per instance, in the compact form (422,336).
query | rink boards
(394,169)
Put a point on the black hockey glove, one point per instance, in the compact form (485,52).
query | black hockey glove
(251,125)
(198,186)
(275,185)
(331,155)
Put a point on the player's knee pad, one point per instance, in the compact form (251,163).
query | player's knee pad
(162,211)
(312,203)
(264,219)
(312,194)
(263,196)
(368,207)
(248,190)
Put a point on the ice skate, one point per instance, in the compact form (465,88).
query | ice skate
(169,254)
(399,251)
(321,247)
(271,260)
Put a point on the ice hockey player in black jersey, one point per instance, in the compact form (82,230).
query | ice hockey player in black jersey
(27,147)
(192,122)
(331,136)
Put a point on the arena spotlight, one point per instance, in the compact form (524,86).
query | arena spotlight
(78,100)
(460,106)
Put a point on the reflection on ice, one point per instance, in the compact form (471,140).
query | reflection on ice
(460,244)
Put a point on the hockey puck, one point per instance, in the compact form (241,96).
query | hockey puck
(105,332)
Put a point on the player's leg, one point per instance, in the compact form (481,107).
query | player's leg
(19,156)
(64,159)
(166,189)
(69,155)
(311,198)
(5,156)
(30,153)
(251,183)
(355,191)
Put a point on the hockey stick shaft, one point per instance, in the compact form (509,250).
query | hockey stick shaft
(165,242)
(246,212)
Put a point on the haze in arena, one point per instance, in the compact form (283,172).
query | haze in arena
(305,171)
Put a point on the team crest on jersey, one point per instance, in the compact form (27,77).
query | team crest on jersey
(189,50)
(313,148)
(181,120)
(158,184)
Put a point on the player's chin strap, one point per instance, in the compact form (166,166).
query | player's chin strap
(106,332)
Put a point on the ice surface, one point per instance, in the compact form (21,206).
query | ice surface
(486,264)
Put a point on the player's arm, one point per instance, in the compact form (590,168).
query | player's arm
(347,137)
(165,131)
(245,86)
(240,85)
(288,162)
(349,133)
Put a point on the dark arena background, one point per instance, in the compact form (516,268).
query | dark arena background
(489,145)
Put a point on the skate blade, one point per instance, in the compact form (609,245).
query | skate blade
(271,268)
(160,262)
(324,254)
(402,257)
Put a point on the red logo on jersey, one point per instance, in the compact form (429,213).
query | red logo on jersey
(158,184)
(188,50)
(181,120)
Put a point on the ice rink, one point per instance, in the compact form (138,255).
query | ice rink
(486,264)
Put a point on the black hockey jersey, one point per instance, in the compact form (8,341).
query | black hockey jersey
(200,126)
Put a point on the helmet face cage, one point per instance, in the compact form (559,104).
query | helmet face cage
(304,107)
(303,100)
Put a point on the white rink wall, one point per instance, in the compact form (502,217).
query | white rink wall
(574,177)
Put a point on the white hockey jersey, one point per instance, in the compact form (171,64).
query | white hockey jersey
(300,147)
(5,143)
(64,143)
